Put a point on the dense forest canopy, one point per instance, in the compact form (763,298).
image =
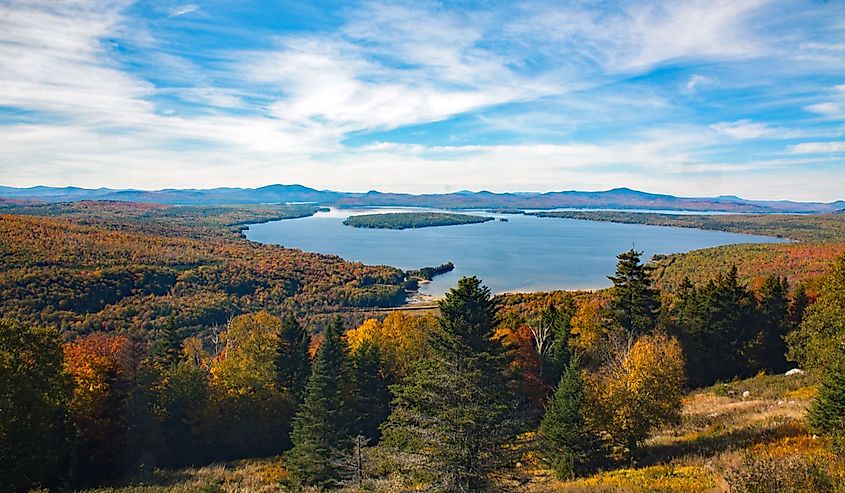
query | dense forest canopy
(129,268)
(411,220)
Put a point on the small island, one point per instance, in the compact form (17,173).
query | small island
(410,220)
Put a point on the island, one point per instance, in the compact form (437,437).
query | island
(411,220)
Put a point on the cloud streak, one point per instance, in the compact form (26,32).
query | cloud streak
(423,97)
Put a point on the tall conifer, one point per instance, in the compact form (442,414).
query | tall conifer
(635,303)
(566,442)
(453,415)
(321,428)
(293,364)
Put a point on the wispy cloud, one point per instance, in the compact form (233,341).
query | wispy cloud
(817,147)
(435,97)
(183,9)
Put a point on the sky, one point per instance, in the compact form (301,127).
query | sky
(693,98)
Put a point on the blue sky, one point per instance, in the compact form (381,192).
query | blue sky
(689,98)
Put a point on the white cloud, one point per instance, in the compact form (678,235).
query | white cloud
(817,147)
(183,9)
(697,80)
(388,66)
(835,108)
(742,129)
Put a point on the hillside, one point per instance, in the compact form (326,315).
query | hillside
(134,268)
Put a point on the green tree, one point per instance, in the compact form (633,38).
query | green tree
(34,395)
(455,412)
(773,316)
(715,324)
(556,358)
(568,445)
(322,428)
(167,348)
(820,340)
(293,364)
(372,393)
(827,412)
(634,304)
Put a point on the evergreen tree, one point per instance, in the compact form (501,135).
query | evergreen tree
(635,304)
(714,323)
(293,364)
(322,428)
(556,359)
(567,444)
(167,349)
(35,433)
(773,312)
(797,306)
(827,413)
(454,413)
(372,395)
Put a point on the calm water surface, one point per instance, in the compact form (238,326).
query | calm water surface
(524,254)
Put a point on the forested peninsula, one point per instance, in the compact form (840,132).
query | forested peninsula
(412,220)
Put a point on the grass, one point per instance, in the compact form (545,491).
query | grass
(725,442)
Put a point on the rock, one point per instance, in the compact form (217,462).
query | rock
(780,403)
(746,394)
(794,371)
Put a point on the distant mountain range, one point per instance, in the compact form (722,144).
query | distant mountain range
(618,198)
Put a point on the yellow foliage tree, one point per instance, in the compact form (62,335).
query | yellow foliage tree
(589,327)
(246,363)
(400,338)
(638,388)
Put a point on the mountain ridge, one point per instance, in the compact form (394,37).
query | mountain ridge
(621,198)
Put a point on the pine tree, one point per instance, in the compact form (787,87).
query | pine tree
(635,303)
(453,415)
(293,364)
(773,311)
(321,428)
(167,349)
(372,395)
(827,413)
(567,444)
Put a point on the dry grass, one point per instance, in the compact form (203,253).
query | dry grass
(719,428)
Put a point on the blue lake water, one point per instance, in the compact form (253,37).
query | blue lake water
(524,254)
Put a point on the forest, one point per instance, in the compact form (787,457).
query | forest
(121,267)
(545,391)
(412,220)
(153,348)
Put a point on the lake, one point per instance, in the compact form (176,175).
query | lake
(526,253)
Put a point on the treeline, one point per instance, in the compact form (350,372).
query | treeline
(449,403)
(109,274)
(410,220)
(428,273)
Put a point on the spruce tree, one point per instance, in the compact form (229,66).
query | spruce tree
(635,304)
(372,395)
(565,440)
(455,412)
(773,313)
(293,364)
(321,428)
(827,413)
(167,349)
